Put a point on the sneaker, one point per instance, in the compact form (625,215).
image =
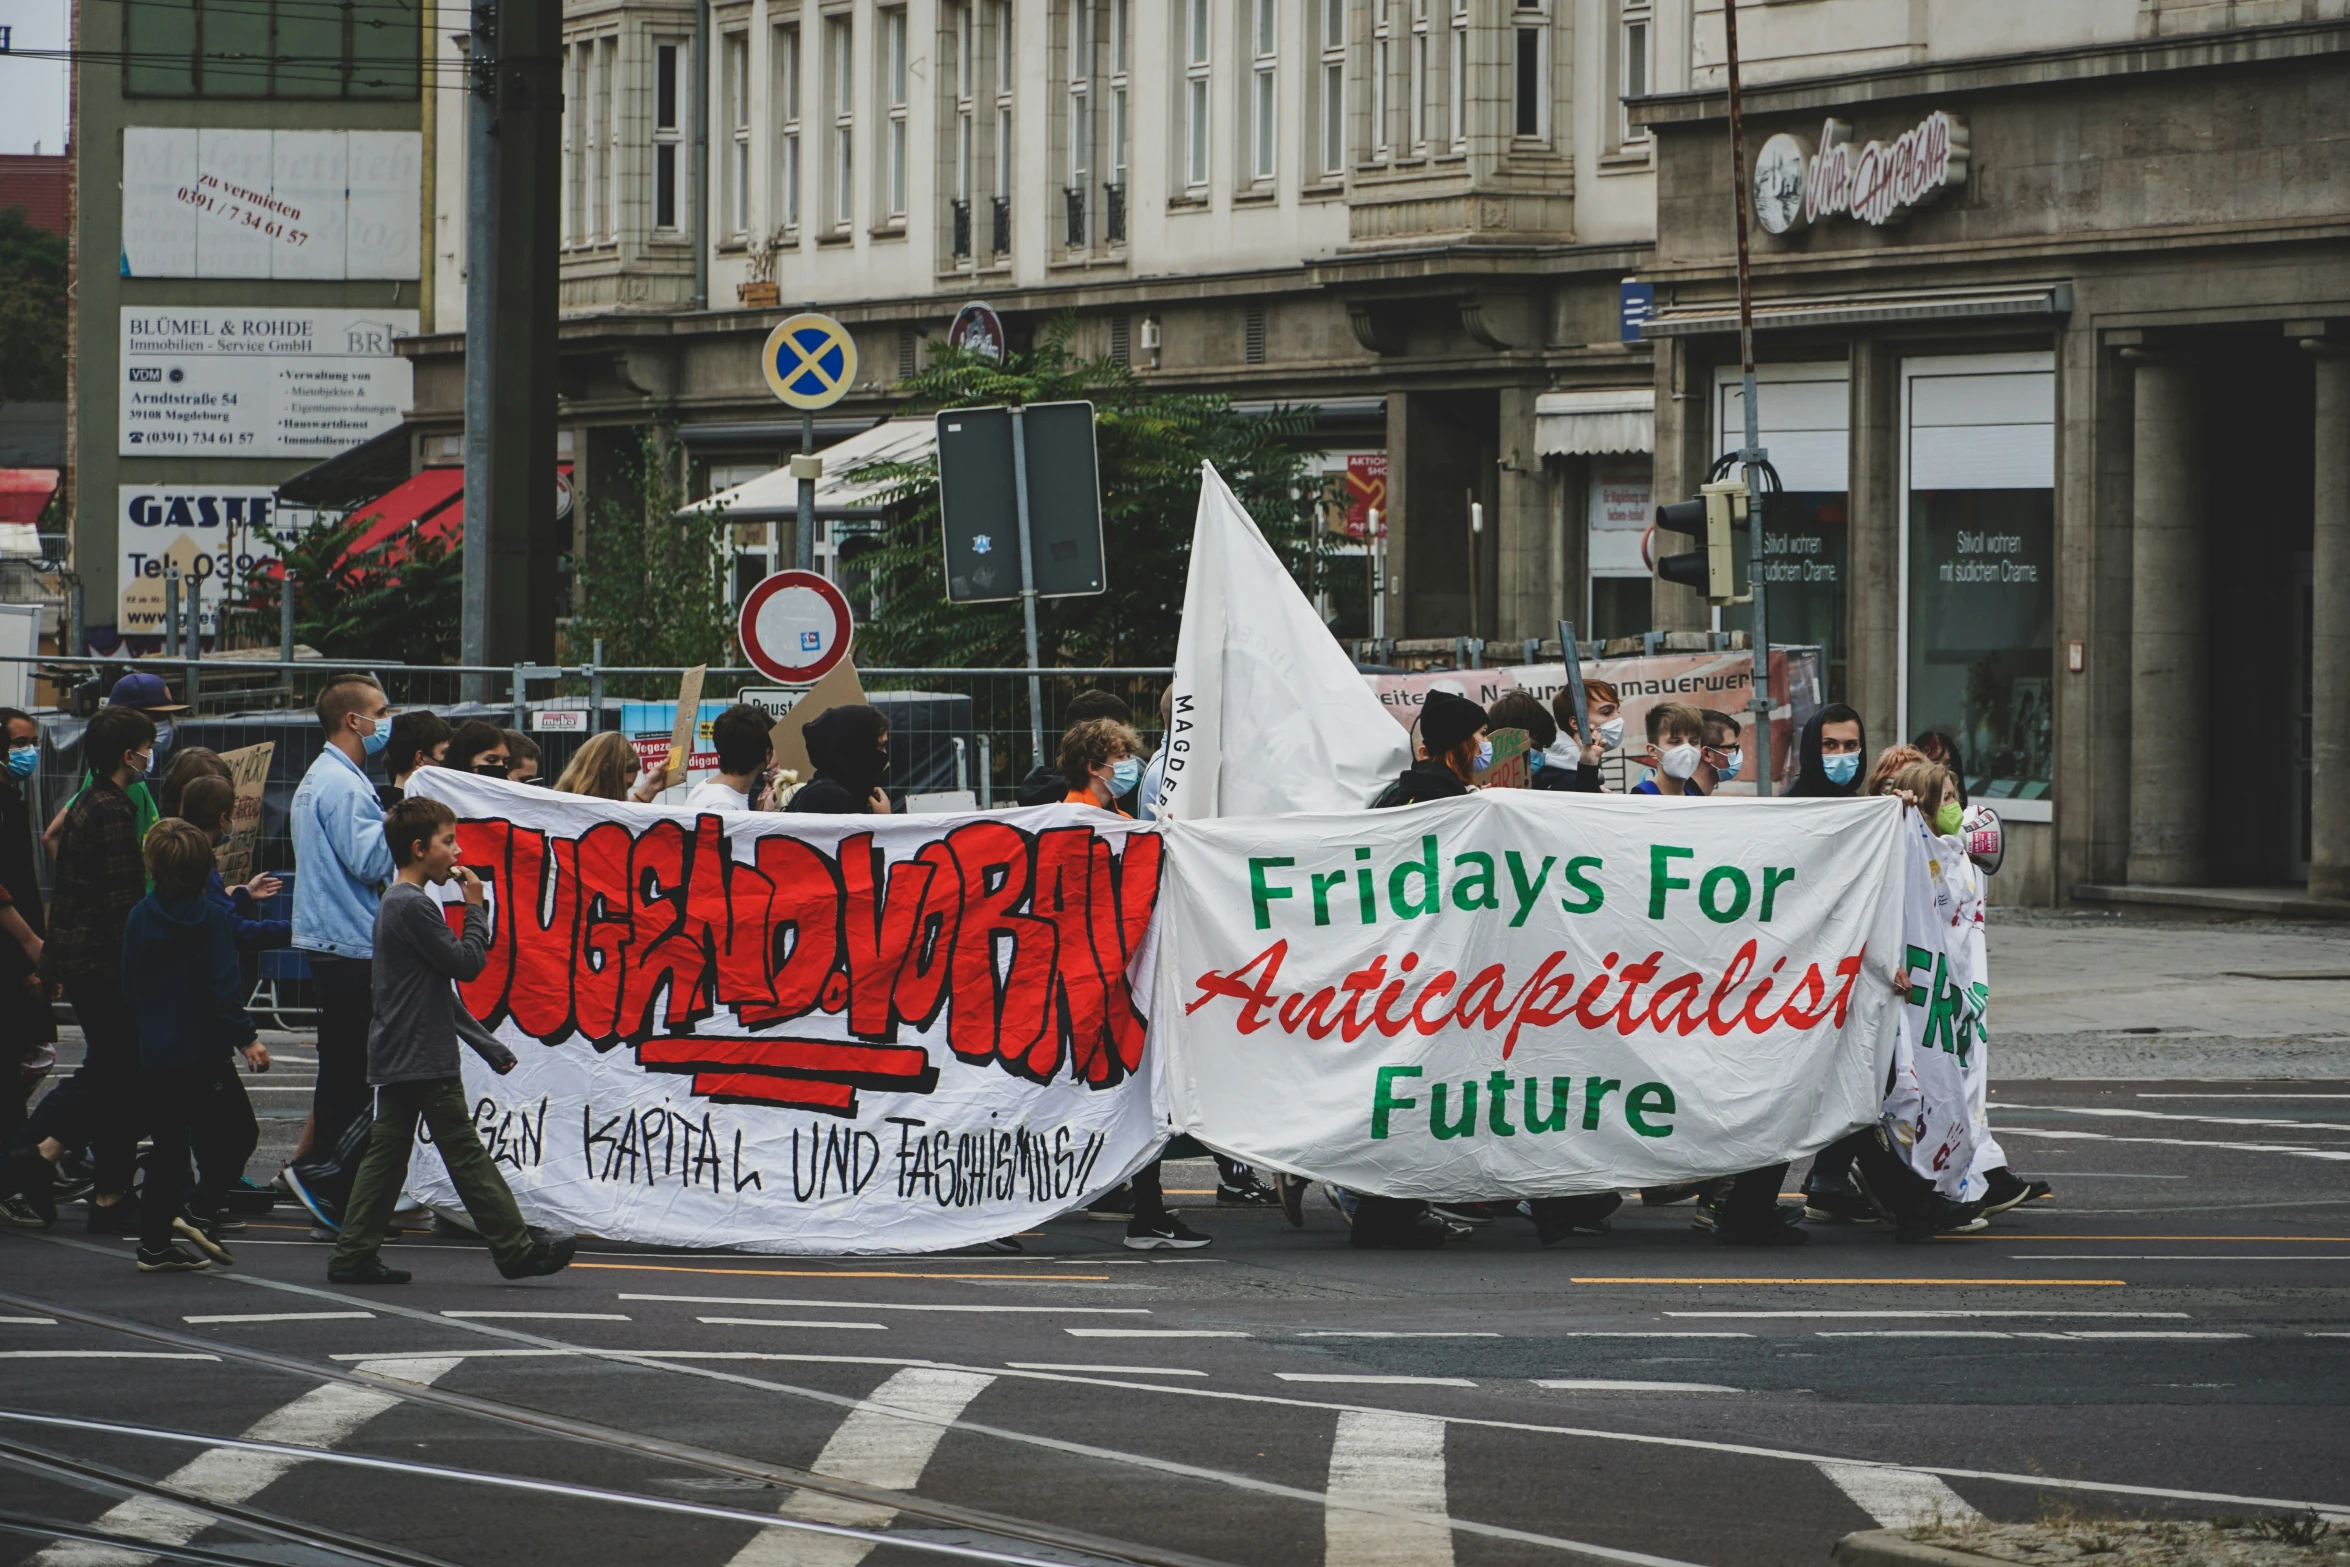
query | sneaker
(1707,1213)
(1291,1189)
(1662,1196)
(1116,1203)
(1766,1232)
(70,1182)
(117,1218)
(1564,1218)
(202,1236)
(418,1218)
(170,1259)
(1341,1199)
(1940,1216)
(324,1210)
(369,1271)
(35,1187)
(20,1212)
(1165,1233)
(1472,1214)
(1837,1203)
(319,1232)
(1425,1232)
(547,1257)
(2010,1190)
(1001,1246)
(243,1196)
(1252,1194)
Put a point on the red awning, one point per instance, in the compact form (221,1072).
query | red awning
(24,492)
(434,498)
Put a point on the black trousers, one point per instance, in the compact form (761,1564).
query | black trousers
(191,1109)
(1834,1162)
(1150,1200)
(339,1104)
(1753,1198)
(98,1107)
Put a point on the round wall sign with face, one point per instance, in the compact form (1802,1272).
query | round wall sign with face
(1778,184)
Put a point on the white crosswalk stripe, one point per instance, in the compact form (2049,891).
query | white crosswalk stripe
(1394,1463)
(885,1442)
(319,1418)
(1899,1498)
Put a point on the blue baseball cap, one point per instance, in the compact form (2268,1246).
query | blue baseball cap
(146,692)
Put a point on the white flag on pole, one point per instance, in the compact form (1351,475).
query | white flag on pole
(1269,713)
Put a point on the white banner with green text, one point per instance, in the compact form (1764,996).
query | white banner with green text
(1522,994)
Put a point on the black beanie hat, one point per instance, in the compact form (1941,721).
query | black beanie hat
(1446,720)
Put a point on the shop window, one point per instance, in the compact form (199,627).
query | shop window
(1622,504)
(1978,561)
(1804,415)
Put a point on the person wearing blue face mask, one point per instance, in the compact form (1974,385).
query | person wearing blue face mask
(1101,762)
(1828,755)
(344,861)
(1722,759)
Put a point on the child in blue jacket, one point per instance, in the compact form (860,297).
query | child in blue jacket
(179,956)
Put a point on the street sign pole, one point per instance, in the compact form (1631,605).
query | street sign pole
(1759,703)
(1027,586)
(804,541)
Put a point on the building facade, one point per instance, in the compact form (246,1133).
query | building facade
(252,188)
(1415,214)
(2050,304)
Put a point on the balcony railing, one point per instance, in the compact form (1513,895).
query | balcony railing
(962,210)
(1000,226)
(1074,196)
(1114,214)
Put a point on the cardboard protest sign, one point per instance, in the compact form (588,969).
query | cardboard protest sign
(1518,994)
(248,770)
(1512,767)
(805,1034)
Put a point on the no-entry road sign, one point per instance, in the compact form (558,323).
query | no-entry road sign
(795,627)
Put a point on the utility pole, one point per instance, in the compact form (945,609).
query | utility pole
(1752,455)
(514,127)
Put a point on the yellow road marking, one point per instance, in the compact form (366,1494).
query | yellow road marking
(1701,1278)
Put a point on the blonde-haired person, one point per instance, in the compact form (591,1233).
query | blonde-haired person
(1891,762)
(606,768)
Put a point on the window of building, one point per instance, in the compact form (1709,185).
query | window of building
(1457,56)
(1530,71)
(787,116)
(1000,205)
(668,95)
(1620,506)
(840,53)
(1382,76)
(604,141)
(1264,62)
(575,141)
(1195,94)
(271,49)
(1332,85)
(1079,110)
(1804,417)
(1978,560)
(958,75)
(1416,88)
(738,138)
(1121,126)
(1634,35)
(893,88)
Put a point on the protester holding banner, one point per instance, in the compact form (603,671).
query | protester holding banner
(1044,784)
(1676,741)
(605,768)
(744,756)
(1101,762)
(1828,753)
(339,850)
(478,747)
(1889,765)
(848,747)
(420,738)
(1451,747)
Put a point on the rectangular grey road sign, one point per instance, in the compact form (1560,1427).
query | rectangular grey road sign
(979,502)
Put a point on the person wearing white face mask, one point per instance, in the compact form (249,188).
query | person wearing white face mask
(1676,746)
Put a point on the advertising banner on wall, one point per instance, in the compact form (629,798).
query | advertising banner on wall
(208,531)
(270,204)
(245,381)
(805,1033)
(1522,995)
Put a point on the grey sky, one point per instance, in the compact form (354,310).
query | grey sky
(32,92)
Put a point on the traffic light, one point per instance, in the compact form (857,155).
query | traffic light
(1710,568)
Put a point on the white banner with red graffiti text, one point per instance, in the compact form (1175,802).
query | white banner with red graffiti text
(804,1033)
(1521,994)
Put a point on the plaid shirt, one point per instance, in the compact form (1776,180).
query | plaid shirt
(100,879)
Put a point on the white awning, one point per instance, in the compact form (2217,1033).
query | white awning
(1695,318)
(1575,424)
(844,489)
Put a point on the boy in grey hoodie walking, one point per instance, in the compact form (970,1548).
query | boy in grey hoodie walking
(412,1060)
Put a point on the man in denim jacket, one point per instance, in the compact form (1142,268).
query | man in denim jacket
(341,862)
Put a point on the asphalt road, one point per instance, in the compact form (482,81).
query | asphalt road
(2170,1333)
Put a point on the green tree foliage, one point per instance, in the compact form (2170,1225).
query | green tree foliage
(1150,445)
(653,583)
(396,601)
(32,311)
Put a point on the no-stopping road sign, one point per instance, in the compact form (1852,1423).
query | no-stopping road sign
(795,627)
(810,361)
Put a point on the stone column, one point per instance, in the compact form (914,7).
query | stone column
(2329,696)
(1873,587)
(2170,736)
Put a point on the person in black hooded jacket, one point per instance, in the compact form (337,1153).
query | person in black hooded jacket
(1829,755)
(1451,728)
(849,748)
